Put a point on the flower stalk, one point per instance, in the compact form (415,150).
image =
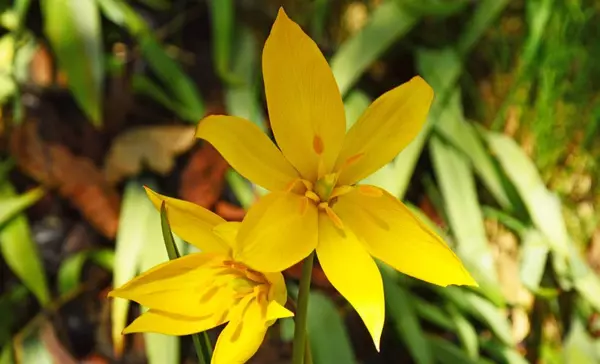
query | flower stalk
(300,342)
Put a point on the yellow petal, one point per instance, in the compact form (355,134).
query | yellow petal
(191,222)
(240,339)
(305,106)
(170,323)
(278,290)
(176,286)
(228,232)
(248,150)
(394,235)
(353,273)
(385,128)
(279,231)
(276,311)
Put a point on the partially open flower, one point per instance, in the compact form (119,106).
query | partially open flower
(200,291)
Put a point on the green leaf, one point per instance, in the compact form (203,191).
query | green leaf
(243,98)
(543,206)
(480,309)
(329,340)
(160,348)
(173,79)
(503,353)
(464,137)
(69,273)
(388,23)
(402,310)
(354,105)
(465,332)
(440,69)
(135,232)
(579,347)
(446,353)
(74,30)
(6,356)
(433,313)
(457,185)
(533,257)
(20,251)
(202,345)
(485,13)
(11,206)
(10,300)
(434,7)
(223,25)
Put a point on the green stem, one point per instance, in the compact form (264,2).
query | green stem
(301,311)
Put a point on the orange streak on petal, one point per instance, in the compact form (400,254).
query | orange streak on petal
(318,145)
(370,191)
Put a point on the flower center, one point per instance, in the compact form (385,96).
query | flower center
(323,193)
(245,281)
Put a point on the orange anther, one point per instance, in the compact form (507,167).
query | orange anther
(335,218)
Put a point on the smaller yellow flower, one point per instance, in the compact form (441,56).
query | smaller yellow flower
(203,290)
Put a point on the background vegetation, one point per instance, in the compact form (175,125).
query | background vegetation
(100,97)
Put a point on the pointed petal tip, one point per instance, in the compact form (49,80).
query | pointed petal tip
(420,81)
(281,13)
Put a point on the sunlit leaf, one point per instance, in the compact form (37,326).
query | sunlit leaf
(388,23)
(74,30)
(13,205)
(453,127)
(543,206)
(534,254)
(160,348)
(355,104)
(480,309)
(579,347)
(134,234)
(20,251)
(461,204)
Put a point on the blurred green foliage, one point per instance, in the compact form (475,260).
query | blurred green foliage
(515,122)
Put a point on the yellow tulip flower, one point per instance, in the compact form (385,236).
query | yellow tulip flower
(200,291)
(315,202)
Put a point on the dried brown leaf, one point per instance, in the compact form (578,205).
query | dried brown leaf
(76,179)
(202,179)
(151,146)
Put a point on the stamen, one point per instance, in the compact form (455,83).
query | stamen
(334,217)
(308,184)
(303,206)
(370,191)
(313,196)
(290,186)
(255,276)
(339,191)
